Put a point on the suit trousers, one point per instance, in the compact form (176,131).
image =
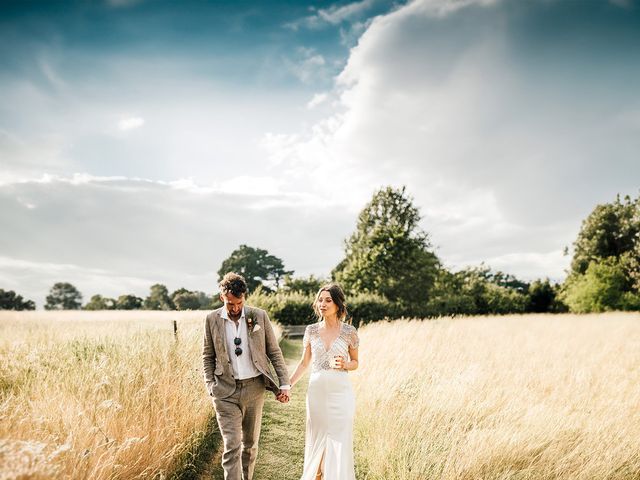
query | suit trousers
(239,418)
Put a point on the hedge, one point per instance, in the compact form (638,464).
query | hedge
(296,308)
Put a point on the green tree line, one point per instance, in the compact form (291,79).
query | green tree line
(390,270)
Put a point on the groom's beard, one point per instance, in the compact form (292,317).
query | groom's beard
(235,317)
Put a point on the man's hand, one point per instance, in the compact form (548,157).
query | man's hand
(284,395)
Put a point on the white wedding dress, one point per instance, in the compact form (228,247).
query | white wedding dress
(330,407)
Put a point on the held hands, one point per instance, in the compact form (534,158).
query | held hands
(284,395)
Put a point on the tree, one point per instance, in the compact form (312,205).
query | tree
(207,302)
(305,285)
(605,269)
(178,292)
(631,262)
(507,280)
(158,299)
(257,266)
(603,287)
(10,300)
(187,301)
(128,302)
(184,299)
(389,254)
(610,230)
(98,302)
(543,297)
(448,297)
(63,296)
(473,291)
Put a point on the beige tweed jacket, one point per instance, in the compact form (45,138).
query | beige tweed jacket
(218,375)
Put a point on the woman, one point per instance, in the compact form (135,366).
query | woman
(331,347)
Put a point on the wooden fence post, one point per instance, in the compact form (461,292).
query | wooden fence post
(175,329)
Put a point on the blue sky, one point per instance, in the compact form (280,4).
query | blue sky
(142,141)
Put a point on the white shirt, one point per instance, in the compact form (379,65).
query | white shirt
(242,365)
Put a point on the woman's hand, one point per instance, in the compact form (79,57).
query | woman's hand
(338,362)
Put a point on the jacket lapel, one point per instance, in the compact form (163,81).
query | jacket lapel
(249,314)
(222,332)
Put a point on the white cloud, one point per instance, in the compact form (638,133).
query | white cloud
(33,279)
(504,156)
(248,185)
(531,265)
(119,235)
(337,14)
(193,126)
(442,8)
(20,156)
(51,74)
(309,67)
(504,162)
(350,34)
(130,123)
(26,203)
(333,15)
(317,99)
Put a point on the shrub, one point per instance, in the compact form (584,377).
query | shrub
(292,308)
(365,308)
(604,286)
(544,297)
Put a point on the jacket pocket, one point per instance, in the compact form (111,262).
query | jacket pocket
(210,387)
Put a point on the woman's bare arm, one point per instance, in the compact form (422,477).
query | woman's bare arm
(302,365)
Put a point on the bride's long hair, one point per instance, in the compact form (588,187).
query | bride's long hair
(337,295)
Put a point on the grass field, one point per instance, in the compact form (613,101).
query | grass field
(518,397)
(90,395)
(100,394)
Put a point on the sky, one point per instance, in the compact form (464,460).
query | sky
(142,141)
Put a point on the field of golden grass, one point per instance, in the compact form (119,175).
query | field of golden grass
(115,395)
(99,394)
(518,397)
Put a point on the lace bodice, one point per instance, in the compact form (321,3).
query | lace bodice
(320,356)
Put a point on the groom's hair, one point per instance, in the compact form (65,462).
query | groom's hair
(234,284)
(337,295)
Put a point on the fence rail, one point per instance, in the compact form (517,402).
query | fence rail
(293,331)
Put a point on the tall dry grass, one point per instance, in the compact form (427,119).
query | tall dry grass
(520,397)
(99,394)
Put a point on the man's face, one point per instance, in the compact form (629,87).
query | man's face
(233,304)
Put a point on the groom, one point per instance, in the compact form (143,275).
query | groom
(239,343)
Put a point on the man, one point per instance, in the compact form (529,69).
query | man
(239,343)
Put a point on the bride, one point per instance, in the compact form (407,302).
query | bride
(331,347)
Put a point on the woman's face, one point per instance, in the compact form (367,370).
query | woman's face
(326,305)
